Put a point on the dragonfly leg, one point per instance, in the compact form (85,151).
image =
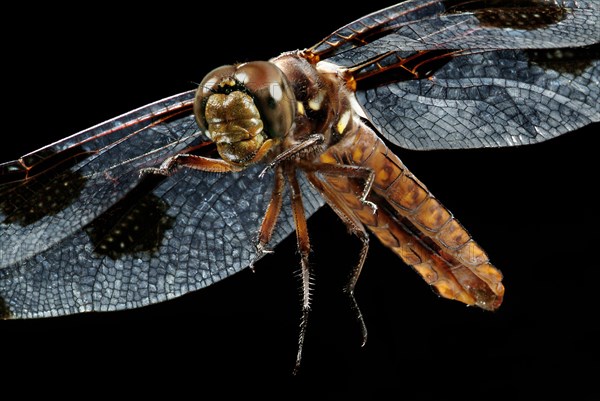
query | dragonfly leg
(355,227)
(270,219)
(353,279)
(304,250)
(350,171)
(171,164)
(293,151)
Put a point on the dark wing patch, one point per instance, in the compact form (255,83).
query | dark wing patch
(438,24)
(213,224)
(137,223)
(54,192)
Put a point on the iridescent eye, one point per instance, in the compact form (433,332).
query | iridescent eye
(272,95)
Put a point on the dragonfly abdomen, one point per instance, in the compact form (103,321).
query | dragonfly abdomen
(414,224)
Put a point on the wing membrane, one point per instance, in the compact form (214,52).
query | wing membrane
(375,25)
(434,24)
(447,74)
(53,192)
(490,99)
(210,223)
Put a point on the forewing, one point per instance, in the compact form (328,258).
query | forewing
(454,74)
(51,193)
(455,24)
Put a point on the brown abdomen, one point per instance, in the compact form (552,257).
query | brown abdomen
(414,224)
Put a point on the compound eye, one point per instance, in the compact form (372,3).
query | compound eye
(215,81)
(272,95)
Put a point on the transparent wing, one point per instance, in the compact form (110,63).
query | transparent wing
(490,99)
(81,231)
(49,194)
(454,74)
(456,24)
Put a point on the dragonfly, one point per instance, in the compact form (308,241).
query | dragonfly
(94,223)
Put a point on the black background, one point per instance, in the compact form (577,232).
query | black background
(532,208)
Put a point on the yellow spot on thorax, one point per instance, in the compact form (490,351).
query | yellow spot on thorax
(343,122)
(315,102)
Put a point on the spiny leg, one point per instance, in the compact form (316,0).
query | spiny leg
(270,219)
(304,250)
(356,228)
(202,163)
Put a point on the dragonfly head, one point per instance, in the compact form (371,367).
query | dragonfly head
(245,109)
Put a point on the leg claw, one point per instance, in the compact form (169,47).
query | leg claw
(261,250)
(153,171)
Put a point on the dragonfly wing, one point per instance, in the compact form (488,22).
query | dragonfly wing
(490,99)
(51,193)
(173,236)
(435,25)
(452,74)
